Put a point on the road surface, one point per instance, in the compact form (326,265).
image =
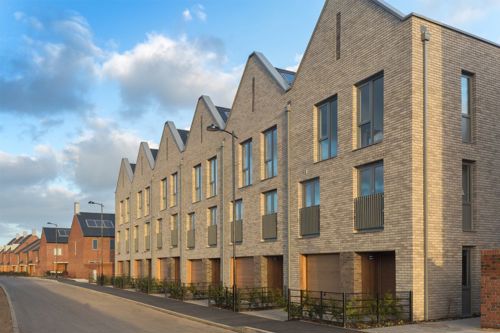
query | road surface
(48,306)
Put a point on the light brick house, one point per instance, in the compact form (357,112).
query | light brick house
(89,245)
(349,187)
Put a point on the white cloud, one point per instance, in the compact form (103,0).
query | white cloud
(31,20)
(200,13)
(297,59)
(460,12)
(172,73)
(186,14)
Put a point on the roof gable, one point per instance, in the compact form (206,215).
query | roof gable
(51,236)
(90,224)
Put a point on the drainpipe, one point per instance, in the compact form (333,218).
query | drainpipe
(222,215)
(181,220)
(426,37)
(287,112)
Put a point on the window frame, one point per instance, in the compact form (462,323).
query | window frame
(271,157)
(164,196)
(212,176)
(314,182)
(246,162)
(332,127)
(96,246)
(197,183)
(212,213)
(468,116)
(274,203)
(468,166)
(147,201)
(139,204)
(238,210)
(175,188)
(370,82)
(192,221)
(372,167)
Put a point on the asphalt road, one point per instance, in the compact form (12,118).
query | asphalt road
(48,306)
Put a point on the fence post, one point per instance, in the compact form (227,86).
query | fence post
(378,311)
(344,314)
(321,306)
(410,300)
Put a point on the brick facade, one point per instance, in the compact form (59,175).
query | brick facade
(490,288)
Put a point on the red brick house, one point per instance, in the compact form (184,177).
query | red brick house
(10,255)
(49,257)
(91,241)
(20,264)
(30,255)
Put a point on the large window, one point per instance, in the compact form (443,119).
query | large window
(213,215)
(139,204)
(371,179)
(192,221)
(127,209)
(270,153)
(466,97)
(239,210)
(197,183)
(122,212)
(163,190)
(371,111)
(246,163)
(270,202)
(147,236)
(327,129)
(212,181)
(467,196)
(310,193)
(147,199)
(175,186)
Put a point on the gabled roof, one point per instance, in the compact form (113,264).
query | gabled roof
(154,152)
(271,70)
(184,134)
(224,112)
(214,112)
(180,136)
(90,224)
(33,246)
(62,235)
(129,168)
(149,154)
(289,76)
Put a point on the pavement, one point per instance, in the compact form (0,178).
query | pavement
(469,325)
(240,322)
(5,320)
(44,306)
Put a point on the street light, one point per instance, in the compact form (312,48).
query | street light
(55,256)
(215,128)
(102,238)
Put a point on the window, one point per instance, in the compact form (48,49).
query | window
(239,210)
(466,97)
(122,212)
(127,209)
(159,234)
(118,240)
(310,193)
(127,246)
(174,224)
(175,188)
(94,244)
(467,196)
(327,129)
(192,221)
(270,153)
(163,190)
(139,204)
(197,183)
(371,111)
(148,201)
(246,163)
(371,179)
(270,202)
(212,182)
(58,251)
(147,236)
(136,238)
(213,215)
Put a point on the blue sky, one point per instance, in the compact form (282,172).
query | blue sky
(83,82)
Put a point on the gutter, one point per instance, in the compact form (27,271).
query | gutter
(426,37)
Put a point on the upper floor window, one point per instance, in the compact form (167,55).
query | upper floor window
(310,193)
(94,244)
(175,186)
(270,202)
(147,199)
(122,212)
(163,190)
(212,181)
(371,111)
(466,98)
(139,204)
(239,210)
(111,244)
(371,179)
(327,129)
(467,196)
(213,215)
(127,209)
(192,221)
(197,183)
(270,153)
(174,222)
(246,163)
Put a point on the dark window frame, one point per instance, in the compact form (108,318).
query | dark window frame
(213,215)
(372,168)
(212,177)
(274,203)
(370,82)
(246,162)
(314,182)
(197,184)
(331,128)
(467,117)
(271,157)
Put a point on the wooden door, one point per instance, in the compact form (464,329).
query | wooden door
(323,272)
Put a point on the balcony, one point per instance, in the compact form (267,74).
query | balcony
(369,212)
(269,226)
(174,237)
(309,221)
(190,239)
(212,235)
(238,232)
(159,240)
(466,216)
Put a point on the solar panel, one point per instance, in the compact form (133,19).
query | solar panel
(63,232)
(106,224)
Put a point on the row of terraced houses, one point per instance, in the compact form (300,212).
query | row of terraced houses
(76,252)
(373,168)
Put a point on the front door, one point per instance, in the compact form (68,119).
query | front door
(466,285)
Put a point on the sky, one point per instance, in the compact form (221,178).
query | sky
(83,82)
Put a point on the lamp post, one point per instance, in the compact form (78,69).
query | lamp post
(215,128)
(55,256)
(102,239)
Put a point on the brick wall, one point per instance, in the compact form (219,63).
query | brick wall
(490,288)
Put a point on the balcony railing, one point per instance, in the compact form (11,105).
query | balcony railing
(159,240)
(174,237)
(369,212)
(238,232)
(212,235)
(467,216)
(269,226)
(190,239)
(136,245)
(147,243)
(309,221)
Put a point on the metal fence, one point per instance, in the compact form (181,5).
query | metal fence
(349,309)
(247,299)
(369,212)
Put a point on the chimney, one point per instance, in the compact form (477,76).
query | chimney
(77,208)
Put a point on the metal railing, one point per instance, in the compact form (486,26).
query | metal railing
(174,237)
(191,238)
(467,216)
(212,235)
(247,299)
(309,220)
(136,244)
(269,226)
(349,309)
(147,242)
(369,212)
